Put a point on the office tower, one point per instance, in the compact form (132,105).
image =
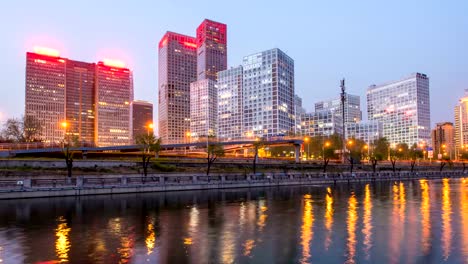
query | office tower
(321,123)
(177,69)
(367,131)
(113,95)
(461,124)
(298,111)
(443,137)
(268,80)
(142,116)
(203,109)
(80,106)
(230,105)
(352,107)
(212,49)
(45,96)
(403,108)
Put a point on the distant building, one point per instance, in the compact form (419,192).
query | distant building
(88,101)
(142,116)
(353,111)
(321,123)
(177,69)
(461,124)
(203,109)
(367,131)
(230,104)
(113,95)
(403,107)
(45,98)
(443,137)
(211,49)
(298,111)
(268,94)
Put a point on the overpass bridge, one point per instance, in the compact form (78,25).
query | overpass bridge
(127,148)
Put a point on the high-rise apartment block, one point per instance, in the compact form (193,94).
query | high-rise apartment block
(230,104)
(403,108)
(443,139)
(367,131)
(268,94)
(177,69)
(352,108)
(88,101)
(211,49)
(461,124)
(142,116)
(203,108)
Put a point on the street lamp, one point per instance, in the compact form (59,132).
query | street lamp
(327,144)
(64,124)
(307,139)
(150,126)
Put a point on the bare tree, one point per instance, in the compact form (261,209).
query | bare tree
(26,129)
(69,142)
(31,128)
(259,143)
(12,130)
(214,151)
(148,144)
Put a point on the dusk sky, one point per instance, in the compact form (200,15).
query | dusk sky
(367,42)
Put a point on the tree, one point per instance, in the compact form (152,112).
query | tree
(402,151)
(380,148)
(148,143)
(214,151)
(68,143)
(26,129)
(31,129)
(414,154)
(259,143)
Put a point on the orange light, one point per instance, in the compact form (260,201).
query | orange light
(150,125)
(190,44)
(64,124)
(46,51)
(114,63)
(188,134)
(62,60)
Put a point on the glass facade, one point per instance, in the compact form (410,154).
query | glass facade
(114,93)
(177,69)
(443,139)
(230,105)
(268,94)
(212,49)
(461,123)
(403,108)
(321,123)
(203,109)
(367,131)
(45,96)
(352,107)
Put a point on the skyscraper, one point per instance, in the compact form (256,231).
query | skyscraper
(230,104)
(212,49)
(177,69)
(403,108)
(79,108)
(321,123)
(461,124)
(113,95)
(142,116)
(203,108)
(352,107)
(45,96)
(268,95)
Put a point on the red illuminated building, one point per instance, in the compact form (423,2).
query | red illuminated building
(177,69)
(86,100)
(212,49)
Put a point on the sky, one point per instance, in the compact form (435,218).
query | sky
(366,42)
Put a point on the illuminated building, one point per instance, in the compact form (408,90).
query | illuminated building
(268,94)
(230,105)
(461,124)
(45,96)
(298,112)
(443,139)
(321,123)
(113,94)
(142,116)
(177,69)
(79,108)
(367,131)
(212,49)
(86,100)
(352,107)
(403,108)
(203,108)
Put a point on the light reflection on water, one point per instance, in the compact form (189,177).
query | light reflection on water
(421,221)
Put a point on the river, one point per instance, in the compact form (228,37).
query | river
(416,221)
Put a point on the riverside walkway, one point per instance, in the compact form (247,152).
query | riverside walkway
(32,187)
